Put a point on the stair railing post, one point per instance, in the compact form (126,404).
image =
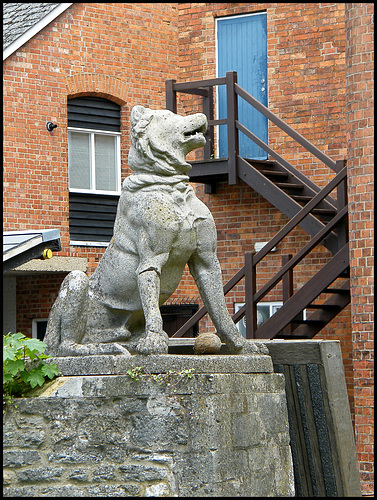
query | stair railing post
(342,201)
(209,147)
(250,289)
(171,96)
(287,289)
(232,116)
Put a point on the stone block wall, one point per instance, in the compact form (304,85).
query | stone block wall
(215,434)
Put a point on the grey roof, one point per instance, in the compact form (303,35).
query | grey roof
(19,17)
(22,246)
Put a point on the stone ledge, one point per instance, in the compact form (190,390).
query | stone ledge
(56,264)
(161,363)
(200,384)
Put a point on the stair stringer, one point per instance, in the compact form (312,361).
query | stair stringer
(303,297)
(309,330)
(283,202)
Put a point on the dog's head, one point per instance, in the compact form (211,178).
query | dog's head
(160,140)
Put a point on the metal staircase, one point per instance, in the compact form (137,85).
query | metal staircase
(315,210)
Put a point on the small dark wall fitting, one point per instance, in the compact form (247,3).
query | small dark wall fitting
(50,126)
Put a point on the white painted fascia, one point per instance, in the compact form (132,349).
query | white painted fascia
(25,37)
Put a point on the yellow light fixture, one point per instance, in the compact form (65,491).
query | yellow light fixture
(47,253)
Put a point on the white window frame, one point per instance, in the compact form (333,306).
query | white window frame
(92,133)
(274,306)
(34,324)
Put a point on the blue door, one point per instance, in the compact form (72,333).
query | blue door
(242,47)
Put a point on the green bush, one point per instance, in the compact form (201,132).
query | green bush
(23,365)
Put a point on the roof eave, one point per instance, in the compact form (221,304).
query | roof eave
(25,37)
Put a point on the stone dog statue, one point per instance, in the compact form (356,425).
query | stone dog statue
(160,226)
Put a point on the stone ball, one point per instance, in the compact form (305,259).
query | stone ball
(207,343)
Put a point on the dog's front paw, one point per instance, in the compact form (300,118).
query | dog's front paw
(153,343)
(112,348)
(253,347)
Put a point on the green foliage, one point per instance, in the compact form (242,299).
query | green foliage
(135,373)
(23,365)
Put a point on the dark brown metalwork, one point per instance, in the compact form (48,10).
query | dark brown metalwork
(171,96)
(232,118)
(284,126)
(287,288)
(250,289)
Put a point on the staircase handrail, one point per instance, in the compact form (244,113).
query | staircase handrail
(341,176)
(294,260)
(200,87)
(280,160)
(284,126)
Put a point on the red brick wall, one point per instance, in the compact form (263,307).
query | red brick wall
(35,296)
(123,52)
(360,164)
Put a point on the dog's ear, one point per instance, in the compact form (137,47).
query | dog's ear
(141,116)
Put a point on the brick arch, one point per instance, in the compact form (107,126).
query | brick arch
(99,85)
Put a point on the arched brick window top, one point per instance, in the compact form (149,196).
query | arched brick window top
(98,85)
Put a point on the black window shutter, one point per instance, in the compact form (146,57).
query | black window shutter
(92,217)
(94,113)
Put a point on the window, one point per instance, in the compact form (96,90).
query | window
(93,162)
(93,145)
(264,311)
(38,328)
(93,169)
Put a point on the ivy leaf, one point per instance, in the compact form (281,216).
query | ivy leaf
(14,366)
(9,353)
(50,370)
(35,345)
(23,365)
(33,378)
(13,339)
(7,377)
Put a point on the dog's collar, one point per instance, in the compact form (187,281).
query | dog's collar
(139,181)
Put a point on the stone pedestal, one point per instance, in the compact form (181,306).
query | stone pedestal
(182,425)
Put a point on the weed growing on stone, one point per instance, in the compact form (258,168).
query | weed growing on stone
(169,379)
(23,365)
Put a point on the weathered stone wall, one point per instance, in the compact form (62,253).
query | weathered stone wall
(214,434)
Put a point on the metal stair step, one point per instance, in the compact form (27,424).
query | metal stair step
(323,211)
(274,173)
(341,291)
(308,321)
(323,306)
(303,198)
(289,185)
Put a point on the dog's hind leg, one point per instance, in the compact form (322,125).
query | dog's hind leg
(68,319)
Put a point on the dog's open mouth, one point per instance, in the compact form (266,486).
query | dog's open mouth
(198,131)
